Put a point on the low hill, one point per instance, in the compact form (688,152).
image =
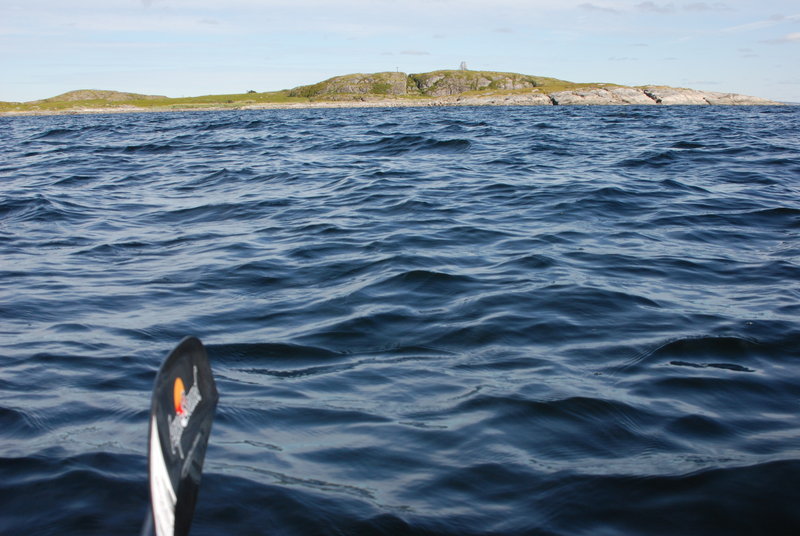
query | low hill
(99,95)
(433,84)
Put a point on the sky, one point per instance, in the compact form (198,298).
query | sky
(199,47)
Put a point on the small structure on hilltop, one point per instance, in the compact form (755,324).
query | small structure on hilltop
(463,66)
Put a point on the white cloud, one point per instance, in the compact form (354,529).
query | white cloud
(765,23)
(788,38)
(652,7)
(704,6)
(593,7)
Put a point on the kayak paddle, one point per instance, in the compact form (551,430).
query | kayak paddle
(184,400)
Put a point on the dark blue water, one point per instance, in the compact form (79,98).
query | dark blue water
(461,321)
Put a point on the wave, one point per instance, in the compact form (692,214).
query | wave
(400,144)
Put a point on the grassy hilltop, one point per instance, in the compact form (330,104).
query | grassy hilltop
(432,84)
(446,87)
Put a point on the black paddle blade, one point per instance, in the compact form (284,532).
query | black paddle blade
(184,400)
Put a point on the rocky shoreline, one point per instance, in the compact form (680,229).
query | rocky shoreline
(616,96)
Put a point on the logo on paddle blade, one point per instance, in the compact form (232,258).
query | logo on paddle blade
(185,404)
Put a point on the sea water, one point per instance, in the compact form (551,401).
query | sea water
(449,321)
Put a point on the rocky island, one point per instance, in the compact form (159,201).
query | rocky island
(437,88)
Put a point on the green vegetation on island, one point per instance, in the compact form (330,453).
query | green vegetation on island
(446,83)
(445,87)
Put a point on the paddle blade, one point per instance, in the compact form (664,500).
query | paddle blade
(184,400)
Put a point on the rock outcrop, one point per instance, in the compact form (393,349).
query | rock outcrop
(671,95)
(449,83)
(517,99)
(602,96)
(652,95)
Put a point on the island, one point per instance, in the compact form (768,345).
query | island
(392,89)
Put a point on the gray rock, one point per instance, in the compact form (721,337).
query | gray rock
(530,99)
(630,95)
(520,99)
(734,99)
(602,96)
(652,95)
(671,95)
(425,84)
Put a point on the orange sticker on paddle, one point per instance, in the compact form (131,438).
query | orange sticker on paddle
(179,391)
